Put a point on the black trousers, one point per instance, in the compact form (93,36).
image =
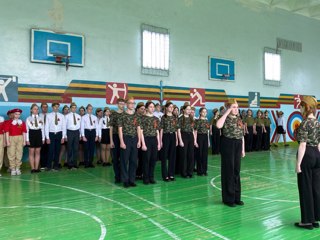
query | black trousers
(73,137)
(230,169)
(149,158)
(187,158)
(89,146)
(259,138)
(202,153)
(54,149)
(249,139)
(139,171)
(309,186)
(266,139)
(115,155)
(169,150)
(128,159)
(44,155)
(215,139)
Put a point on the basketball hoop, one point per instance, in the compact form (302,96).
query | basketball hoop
(60,59)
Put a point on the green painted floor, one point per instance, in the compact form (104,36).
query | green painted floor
(85,204)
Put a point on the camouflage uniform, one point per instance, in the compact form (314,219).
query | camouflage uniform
(150,127)
(231,128)
(129,124)
(186,126)
(266,136)
(128,156)
(309,178)
(231,148)
(115,152)
(249,137)
(169,125)
(259,124)
(202,127)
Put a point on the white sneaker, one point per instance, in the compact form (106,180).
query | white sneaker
(13,172)
(18,172)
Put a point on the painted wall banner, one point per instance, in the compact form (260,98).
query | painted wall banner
(221,69)
(114,91)
(197,97)
(8,88)
(297,101)
(46,44)
(293,123)
(254,99)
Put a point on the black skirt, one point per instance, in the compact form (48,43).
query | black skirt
(35,138)
(105,138)
(280,130)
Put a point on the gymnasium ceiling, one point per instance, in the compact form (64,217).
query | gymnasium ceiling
(308,8)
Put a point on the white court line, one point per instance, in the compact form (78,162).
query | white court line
(257,198)
(170,212)
(167,231)
(95,218)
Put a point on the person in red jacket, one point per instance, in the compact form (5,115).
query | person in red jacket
(15,130)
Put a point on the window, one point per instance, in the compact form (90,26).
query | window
(272,67)
(155,50)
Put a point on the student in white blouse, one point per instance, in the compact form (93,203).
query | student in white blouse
(73,120)
(35,137)
(89,133)
(281,125)
(104,135)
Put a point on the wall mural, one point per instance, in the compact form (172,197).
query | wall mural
(13,93)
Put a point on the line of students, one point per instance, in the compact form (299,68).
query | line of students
(156,136)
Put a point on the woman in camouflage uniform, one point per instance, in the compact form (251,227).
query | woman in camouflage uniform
(266,131)
(308,165)
(232,149)
(215,132)
(202,135)
(187,141)
(140,111)
(249,129)
(257,129)
(150,142)
(169,140)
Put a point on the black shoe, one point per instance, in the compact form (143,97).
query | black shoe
(286,145)
(205,174)
(86,166)
(172,179)
(166,179)
(230,204)
(190,176)
(99,162)
(145,182)
(131,184)
(59,165)
(37,170)
(104,164)
(70,167)
(33,171)
(75,166)
(91,166)
(307,226)
(125,185)
(315,225)
(109,164)
(153,181)
(81,163)
(66,164)
(241,203)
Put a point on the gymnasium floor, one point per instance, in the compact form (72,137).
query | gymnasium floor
(85,204)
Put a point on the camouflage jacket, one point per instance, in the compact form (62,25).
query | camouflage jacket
(129,124)
(169,124)
(202,126)
(186,124)
(231,128)
(114,121)
(309,132)
(150,125)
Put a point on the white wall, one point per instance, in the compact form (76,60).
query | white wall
(198,28)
